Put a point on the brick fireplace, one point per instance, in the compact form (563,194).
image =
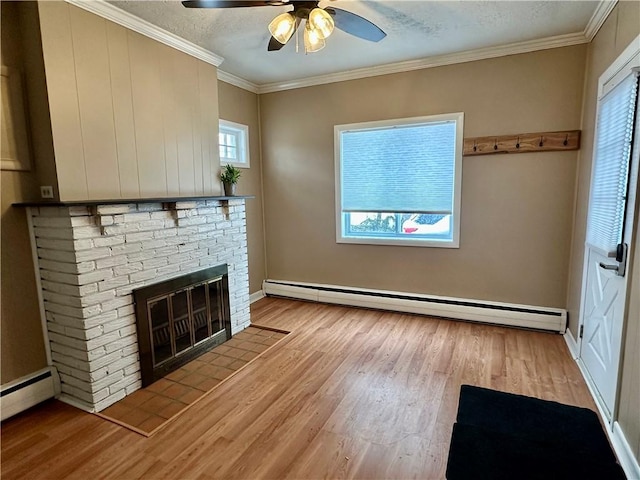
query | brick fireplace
(92,256)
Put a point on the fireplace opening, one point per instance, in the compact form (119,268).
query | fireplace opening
(180,319)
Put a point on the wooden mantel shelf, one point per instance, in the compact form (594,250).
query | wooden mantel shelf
(122,201)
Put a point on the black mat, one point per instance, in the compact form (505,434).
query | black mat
(505,436)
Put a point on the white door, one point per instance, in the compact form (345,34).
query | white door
(609,232)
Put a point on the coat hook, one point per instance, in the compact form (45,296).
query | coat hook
(540,144)
(518,144)
(566,140)
(495,145)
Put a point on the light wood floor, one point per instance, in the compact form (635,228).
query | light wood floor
(349,393)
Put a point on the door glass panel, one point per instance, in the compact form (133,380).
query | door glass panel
(215,304)
(200,313)
(181,323)
(160,331)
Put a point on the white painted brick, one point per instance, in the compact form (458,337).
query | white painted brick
(137,237)
(64,267)
(56,255)
(132,388)
(54,327)
(154,244)
(118,229)
(131,369)
(182,257)
(52,222)
(86,232)
(110,400)
(127,310)
(65,320)
(127,248)
(100,319)
(101,341)
(127,331)
(162,215)
(117,303)
(150,225)
(102,360)
(130,349)
(69,352)
(109,241)
(143,275)
(124,383)
(105,220)
(127,269)
(113,209)
(74,372)
(62,299)
(140,255)
(149,207)
(171,231)
(155,263)
(94,253)
(83,334)
(169,269)
(129,288)
(75,382)
(54,233)
(187,205)
(71,311)
(45,211)
(61,359)
(111,261)
(72,290)
(97,298)
(136,217)
(170,250)
(185,266)
(122,343)
(113,283)
(117,324)
(108,380)
(123,362)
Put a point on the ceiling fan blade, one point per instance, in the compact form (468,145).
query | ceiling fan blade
(274,45)
(231,3)
(356,25)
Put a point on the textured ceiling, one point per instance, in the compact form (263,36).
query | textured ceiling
(415,30)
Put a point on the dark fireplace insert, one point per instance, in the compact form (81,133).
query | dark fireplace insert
(180,319)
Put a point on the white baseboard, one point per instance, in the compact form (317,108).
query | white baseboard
(496,313)
(619,442)
(627,459)
(571,344)
(255,296)
(25,392)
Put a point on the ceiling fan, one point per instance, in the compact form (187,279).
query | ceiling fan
(319,22)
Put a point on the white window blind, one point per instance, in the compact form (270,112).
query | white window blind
(614,132)
(404,168)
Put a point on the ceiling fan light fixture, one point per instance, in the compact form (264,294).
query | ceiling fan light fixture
(321,21)
(282,27)
(313,39)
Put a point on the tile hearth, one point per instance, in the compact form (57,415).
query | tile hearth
(150,408)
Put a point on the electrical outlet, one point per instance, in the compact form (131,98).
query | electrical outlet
(46,191)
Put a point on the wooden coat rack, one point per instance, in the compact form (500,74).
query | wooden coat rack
(523,143)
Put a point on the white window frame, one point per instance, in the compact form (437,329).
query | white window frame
(241,132)
(457,187)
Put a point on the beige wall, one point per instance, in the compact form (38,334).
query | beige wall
(131,117)
(240,106)
(620,28)
(516,209)
(20,328)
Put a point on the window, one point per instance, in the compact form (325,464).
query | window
(233,139)
(398,181)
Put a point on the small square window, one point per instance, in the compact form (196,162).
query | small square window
(233,140)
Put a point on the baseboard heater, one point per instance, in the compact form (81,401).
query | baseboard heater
(28,391)
(495,313)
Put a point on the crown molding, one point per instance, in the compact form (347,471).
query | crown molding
(119,16)
(430,62)
(603,10)
(237,81)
